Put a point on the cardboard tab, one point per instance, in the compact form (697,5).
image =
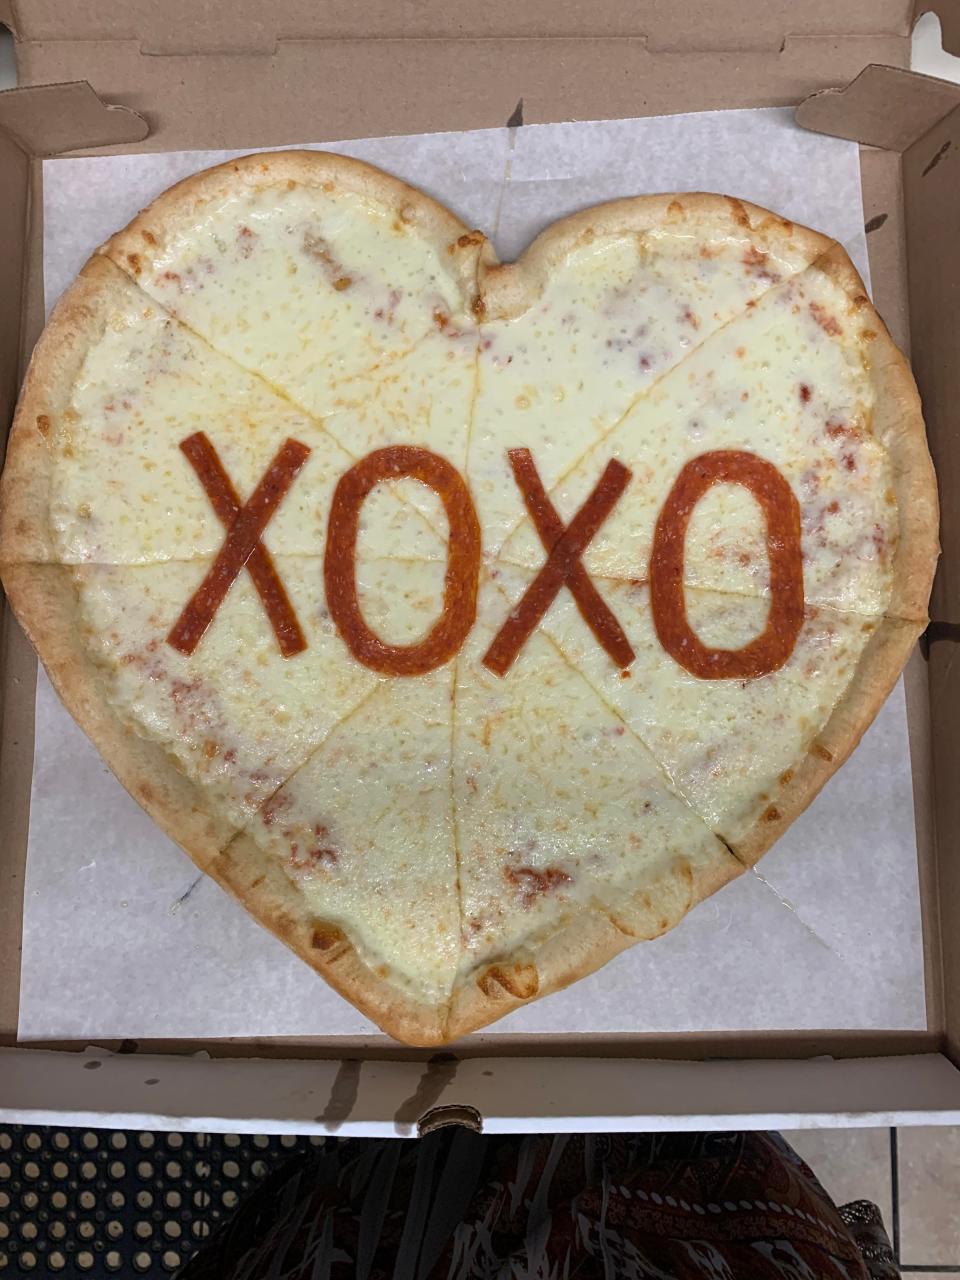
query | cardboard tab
(949,14)
(15,167)
(864,110)
(931,196)
(49,119)
(721,24)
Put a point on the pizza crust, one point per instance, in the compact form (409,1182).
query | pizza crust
(508,289)
(139,246)
(44,600)
(260,885)
(582,947)
(876,673)
(75,325)
(43,596)
(898,425)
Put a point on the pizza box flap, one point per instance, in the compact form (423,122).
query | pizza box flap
(919,117)
(220,76)
(249,26)
(15,167)
(231,87)
(49,119)
(36,121)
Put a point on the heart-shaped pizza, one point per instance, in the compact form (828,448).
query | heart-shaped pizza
(467,622)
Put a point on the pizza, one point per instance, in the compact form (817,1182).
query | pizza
(467,622)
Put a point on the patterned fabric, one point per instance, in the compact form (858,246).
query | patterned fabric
(455,1206)
(866,1226)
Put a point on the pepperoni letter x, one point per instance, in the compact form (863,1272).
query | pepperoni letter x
(242,547)
(565,546)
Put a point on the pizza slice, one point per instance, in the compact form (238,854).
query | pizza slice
(801,381)
(424,398)
(311,269)
(573,843)
(353,861)
(600,308)
(236,714)
(99,473)
(747,754)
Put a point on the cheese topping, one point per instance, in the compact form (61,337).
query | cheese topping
(463,815)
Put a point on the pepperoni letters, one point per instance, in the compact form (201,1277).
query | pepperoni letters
(563,567)
(242,545)
(463,561)
(769,650)
(565,547)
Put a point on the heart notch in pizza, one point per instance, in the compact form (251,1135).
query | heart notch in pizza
(468,622)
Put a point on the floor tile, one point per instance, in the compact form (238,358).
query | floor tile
(851,1164)
(929,1163)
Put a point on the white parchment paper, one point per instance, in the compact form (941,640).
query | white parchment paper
(123,938)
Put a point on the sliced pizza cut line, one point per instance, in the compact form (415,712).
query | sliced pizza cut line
(699,353)
(46,601)
(323,248)
(95,473)
(426,511)
(552,636)
(640,583)
(843,427)
(446,846)
(576,842)
(514,288)
(747,755)
(342,287)
(236,714)
(367,892)
(455,817)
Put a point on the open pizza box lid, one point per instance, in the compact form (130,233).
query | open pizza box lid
(124,75)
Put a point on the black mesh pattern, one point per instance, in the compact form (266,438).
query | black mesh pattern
(105,1203)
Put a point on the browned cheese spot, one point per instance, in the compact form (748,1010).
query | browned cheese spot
(520,981)
(326,937)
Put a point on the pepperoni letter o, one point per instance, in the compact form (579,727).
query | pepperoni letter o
(769,650)
(463,561)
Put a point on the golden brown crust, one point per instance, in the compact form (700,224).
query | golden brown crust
(584,944)
(267,892)
(139,246)
(44,598)
(45,602)
(898,425)
(509,289)
(75,325)
(877,672)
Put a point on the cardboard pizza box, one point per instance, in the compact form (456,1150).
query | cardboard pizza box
(123,75)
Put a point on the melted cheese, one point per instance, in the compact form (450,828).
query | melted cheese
(725,744)
(313,290)
(366,830)
(449,820)
(609,325)
(238,716)
(122,491)
(778,382)
(559,805)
